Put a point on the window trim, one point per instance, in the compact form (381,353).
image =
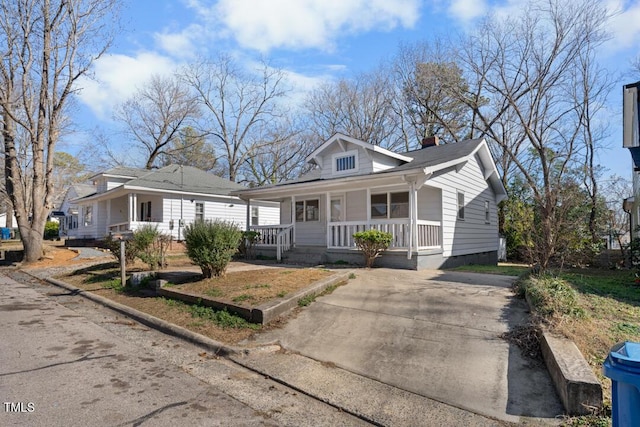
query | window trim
(88,216)
(487,212)
(460,209)
(255,219)
(388,205)
(196,213)
(305,209)
(344,154)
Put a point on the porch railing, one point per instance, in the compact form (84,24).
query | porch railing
(340,234)
(130,225)
(280,236)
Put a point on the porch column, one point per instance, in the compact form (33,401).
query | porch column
(328,216)
(133,201)
(368,207)
(248,225)
(293,219)
(108,215)
(412,218)
(414,231)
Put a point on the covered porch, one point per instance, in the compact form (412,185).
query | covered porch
(410,212)
(131,211)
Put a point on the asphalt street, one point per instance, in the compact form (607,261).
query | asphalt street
(67,361)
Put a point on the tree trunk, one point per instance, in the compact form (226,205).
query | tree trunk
(33,245)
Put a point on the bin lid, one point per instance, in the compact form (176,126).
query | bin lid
(627,353)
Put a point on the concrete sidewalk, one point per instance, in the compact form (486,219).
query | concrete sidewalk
(433,333)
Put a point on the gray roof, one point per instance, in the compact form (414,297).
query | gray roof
(436,155)
(185,179)
(125,172)
(422,158)
(83,190)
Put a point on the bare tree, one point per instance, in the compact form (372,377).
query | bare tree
(281,160)
(525,67)
(155,114)
(360,107)
(46,46)
(240,108)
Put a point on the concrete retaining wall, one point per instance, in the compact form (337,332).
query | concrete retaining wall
(264,313)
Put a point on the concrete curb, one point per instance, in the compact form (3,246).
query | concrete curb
(151,321)
(576,384)
(264,313)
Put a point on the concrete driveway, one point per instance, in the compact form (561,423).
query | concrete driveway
(433,333)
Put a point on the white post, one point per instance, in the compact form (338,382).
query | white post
(293,218)
(328,218)
(412,218)
(415,222)
(248,226)
(108,215)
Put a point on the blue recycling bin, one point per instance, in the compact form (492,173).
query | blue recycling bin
(623,367)
(5,233)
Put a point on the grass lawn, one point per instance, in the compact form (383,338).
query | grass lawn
(247,288)
(594,308)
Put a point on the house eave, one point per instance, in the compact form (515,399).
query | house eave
(341,137)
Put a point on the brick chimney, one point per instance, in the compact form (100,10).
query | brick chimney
(430,141)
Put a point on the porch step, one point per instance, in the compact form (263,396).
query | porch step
(305,255)
(309,255)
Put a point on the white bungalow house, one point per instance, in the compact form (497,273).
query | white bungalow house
(439,203)
(69,208)
(169,198)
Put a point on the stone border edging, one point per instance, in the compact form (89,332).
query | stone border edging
(264,313)
(151,321)
(574,380)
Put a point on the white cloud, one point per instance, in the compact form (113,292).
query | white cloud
(300,24)
(467,10)
(183,44)
(623,25)
(116,77)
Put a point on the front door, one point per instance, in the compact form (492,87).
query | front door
(337,208)
(336,232)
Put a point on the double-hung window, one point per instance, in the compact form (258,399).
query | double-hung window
(308,210)
(390,205)
(199,211)
(460,205)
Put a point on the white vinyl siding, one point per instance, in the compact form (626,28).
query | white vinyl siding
(313,233)
(473,234)
(356,205)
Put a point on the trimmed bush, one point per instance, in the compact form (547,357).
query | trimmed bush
(211,245)
(372,243)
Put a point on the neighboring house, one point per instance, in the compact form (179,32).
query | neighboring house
(69,208)
(439,203)
(631,140)
(170,198)
(3,220)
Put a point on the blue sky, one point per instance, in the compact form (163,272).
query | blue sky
(313,40)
